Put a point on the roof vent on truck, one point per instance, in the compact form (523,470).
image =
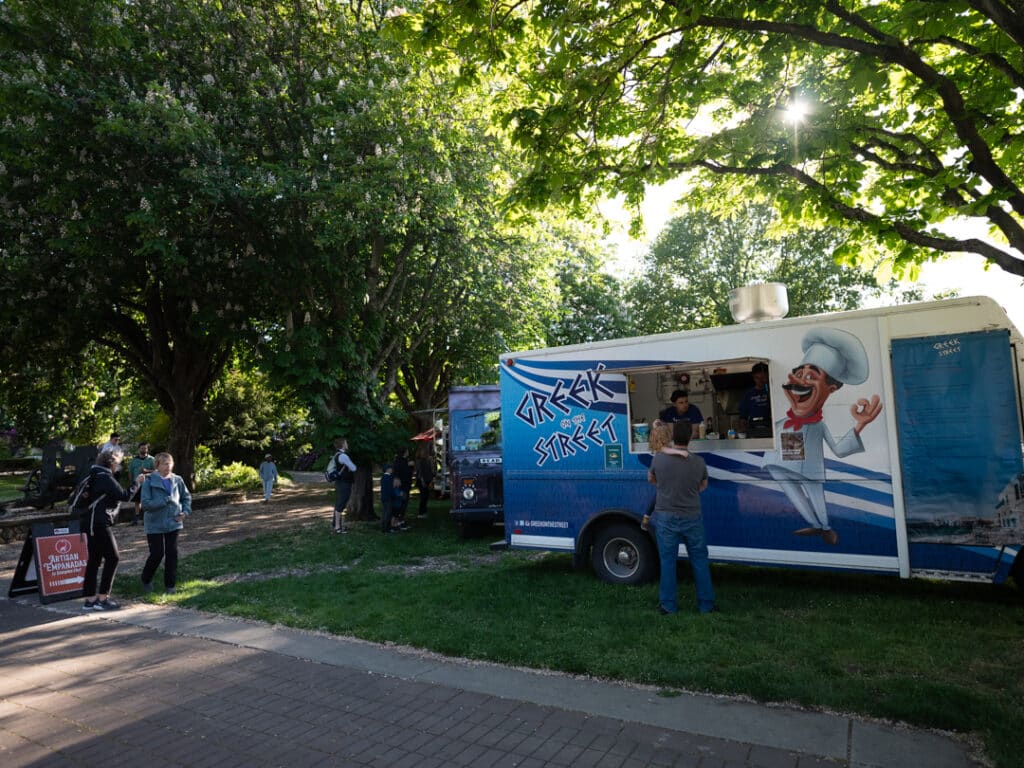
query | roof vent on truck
(756,303)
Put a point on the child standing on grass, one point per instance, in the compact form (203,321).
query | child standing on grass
(390,498)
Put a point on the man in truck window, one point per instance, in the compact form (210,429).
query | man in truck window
(682,410)
(831,358)
(756,405)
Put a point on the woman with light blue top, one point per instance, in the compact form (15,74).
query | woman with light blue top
(165,502)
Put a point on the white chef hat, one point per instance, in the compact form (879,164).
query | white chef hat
(837,353)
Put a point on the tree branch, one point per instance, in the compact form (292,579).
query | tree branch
(1003,259)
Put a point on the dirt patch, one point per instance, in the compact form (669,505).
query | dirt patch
(289,508)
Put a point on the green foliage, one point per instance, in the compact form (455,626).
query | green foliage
(271,175)
(589,303)
(233,477)
(44,394)
(690,269)
(887,117)
(246,417)
(205,464)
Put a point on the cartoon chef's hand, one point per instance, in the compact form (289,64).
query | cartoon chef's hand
(864,412)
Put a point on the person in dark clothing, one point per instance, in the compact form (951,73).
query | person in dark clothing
(97,513)
(343,483)
(390,496)
(682,410)
(680,477)
(401,468)
(424,478)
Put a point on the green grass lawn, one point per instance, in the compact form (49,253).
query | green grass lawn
(11,485)
(944,655)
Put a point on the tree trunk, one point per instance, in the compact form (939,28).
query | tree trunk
(181,445)
(361,506)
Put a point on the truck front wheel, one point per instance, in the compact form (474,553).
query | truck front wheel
(623,554)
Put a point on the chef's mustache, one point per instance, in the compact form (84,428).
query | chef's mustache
(795,386)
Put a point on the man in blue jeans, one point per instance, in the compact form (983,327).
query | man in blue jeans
(680,476)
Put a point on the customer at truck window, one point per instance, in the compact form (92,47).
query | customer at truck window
(680,476)
(682,410)
(756,405)
(661,437)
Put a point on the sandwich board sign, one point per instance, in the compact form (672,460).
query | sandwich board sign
(52,562)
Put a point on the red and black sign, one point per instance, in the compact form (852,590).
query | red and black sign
(52,562)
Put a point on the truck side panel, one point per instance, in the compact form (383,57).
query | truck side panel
(570,457)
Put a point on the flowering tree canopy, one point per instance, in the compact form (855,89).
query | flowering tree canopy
(181,177)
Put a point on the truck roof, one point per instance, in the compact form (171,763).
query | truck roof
(988,308)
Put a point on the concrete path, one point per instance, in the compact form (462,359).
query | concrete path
(156,686)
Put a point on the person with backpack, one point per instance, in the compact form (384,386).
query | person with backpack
(166,503)
(97,508)
(341,471)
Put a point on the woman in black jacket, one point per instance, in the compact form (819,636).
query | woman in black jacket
(96,519)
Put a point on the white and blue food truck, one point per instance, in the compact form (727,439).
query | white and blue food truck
(894,443)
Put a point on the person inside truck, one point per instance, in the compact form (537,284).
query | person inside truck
(756,405)
(682,410)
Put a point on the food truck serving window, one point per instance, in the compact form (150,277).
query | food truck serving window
(724,405)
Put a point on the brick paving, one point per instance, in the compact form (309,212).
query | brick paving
(88,691)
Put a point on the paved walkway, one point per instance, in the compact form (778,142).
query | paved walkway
(156,686)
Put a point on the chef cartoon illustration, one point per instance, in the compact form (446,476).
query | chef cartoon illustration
(832,358)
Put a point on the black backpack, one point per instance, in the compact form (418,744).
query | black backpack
(336,470)
(79,498)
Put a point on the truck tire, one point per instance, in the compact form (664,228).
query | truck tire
(623,554)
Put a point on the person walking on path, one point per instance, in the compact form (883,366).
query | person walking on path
(268,474)
(96,520)
(346,471)
(142,464)
(424,478)
(680,477)
(166,502)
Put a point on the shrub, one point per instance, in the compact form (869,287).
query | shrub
(233,477)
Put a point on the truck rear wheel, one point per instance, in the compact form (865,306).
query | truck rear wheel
(623,554)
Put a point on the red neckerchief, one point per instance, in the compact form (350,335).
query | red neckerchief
(793,420)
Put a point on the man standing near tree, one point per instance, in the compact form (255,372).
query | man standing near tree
(142,464)
(345,474)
